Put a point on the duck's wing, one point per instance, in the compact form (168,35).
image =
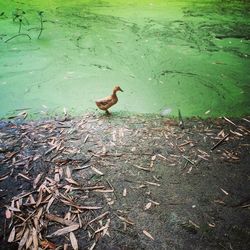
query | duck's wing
(105,103)
(105,100)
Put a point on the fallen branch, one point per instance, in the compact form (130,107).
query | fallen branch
(219,142)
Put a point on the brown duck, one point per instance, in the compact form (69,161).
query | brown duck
(109,101)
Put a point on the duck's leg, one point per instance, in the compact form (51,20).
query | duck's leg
(107,112)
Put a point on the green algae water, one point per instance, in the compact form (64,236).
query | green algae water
(191,56)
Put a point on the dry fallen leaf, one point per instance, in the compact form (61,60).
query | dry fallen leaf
(24,176)
(73,241)
(97,171)
(148,235)
(224,191)
(36,181)
(93,246)
(12,234)
(8,214)
(40,197)
(24,239)
(12,208)
(45,244)
(148,205)
(153,183)
(29,242)
(65,230)
(31,199)
(36,157)
(154,202)
(189,170)
(194,224)
(5,176)
(35,239)
(71,181)
(153,158)
(211,224)
(124,192)
(58,219)
(126,220)
(68,172)
(57,177)
(50,203)
(98,217)
(105,231)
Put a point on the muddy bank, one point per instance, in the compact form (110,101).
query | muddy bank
(135,182)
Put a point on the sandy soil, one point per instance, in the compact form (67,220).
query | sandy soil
(157,186)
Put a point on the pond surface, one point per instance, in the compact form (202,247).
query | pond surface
(166,55)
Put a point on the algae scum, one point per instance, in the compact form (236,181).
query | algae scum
(166,55)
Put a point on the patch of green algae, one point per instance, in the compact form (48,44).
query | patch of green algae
(166,55)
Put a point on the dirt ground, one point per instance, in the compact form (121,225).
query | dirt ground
(124,182)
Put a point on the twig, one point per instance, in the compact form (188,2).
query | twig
(20,26)
(17,36)
(112,188)
(188,160)
(80,168)
(229,121)
(219,142)
(92,188)
(40,13)
(185,143)
(153,183)
(50,150)
(246,120)
(86,138)
(145,169)
(98,217)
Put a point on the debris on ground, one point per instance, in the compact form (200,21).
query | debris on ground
(136,182)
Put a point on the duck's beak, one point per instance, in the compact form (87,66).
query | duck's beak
(121,90)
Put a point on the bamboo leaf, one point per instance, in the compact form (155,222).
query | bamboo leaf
(35,239)
(148,235)
(24,239)
(64,230)
(12,234)
(73,240)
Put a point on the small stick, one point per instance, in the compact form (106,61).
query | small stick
(92,188)
(188,160)
(145,169)
(219,142)
(20,26)
(112,188)
(80,168)
(246,120)
(86,138)
(40,13)
(229,121)
(17,36)
(98,217)
(185,143)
